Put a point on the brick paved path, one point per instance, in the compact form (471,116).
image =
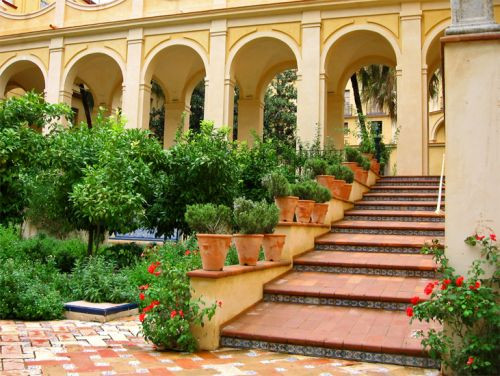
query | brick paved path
(74,348)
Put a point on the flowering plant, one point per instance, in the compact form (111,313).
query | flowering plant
(469,343)
(167,307)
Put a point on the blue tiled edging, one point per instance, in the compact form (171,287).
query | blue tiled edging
(100,311)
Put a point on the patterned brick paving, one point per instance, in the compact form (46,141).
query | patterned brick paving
(73,348)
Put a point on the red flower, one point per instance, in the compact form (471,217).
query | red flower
(475,286)
(141,296)
(157,273)
(479,238)
(152,267)
(187,253)
(445,284)
(181,314)
(493,237)
(142,316)
(173,314)
(436,283)
(154,303)
(415,300)
(459,281)
(409,311)
(220,303)
(143,287)
(470,360)
(428,289)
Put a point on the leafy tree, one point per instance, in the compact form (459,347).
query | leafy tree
(280,111)
(157,111)
(95,180)
(197,106)
(21,144)
(201,167)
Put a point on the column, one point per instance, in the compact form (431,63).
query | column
(472,89)
(176,118)
(410,152)
(216,109)
(59,13)
(334,130)
(131,96)
(54,86)
(250,119)
(144,104)
(308,79)
(425,121)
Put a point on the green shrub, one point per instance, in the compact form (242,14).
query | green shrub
(365,164)
(315,166)
(168,309)
(254,217)
(305,190)
(341,172)
(321,194)
(27,291)
(124,255)
(276,184)
(209,218)
(351,154)
(97,280)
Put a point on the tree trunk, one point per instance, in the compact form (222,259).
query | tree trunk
(86,106)
(357,100)
(90,243)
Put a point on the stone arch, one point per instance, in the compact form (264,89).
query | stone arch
(16,64)
(436,127)
(429,42)
(238,46)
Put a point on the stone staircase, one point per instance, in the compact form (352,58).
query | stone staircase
(347,298)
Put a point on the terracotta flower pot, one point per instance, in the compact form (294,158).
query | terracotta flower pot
(248,247)
(326,181)
(286,205)
(363,176)
(273,246)
(337,186)
(213,250)
(375,166)
(319,212)
(346,191)
(304,210)
(367,155)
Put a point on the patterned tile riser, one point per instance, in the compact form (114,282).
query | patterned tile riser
(313,300)
(362,248)
(396,198)
(410,178)
(367,271)
(376,231)
(392,219)
(407,183)
(390,207)
(365,356)
(384,190)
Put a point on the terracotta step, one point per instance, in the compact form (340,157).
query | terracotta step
(411,178)
(416,183)
(397,205)
(389,228)
(382,196)
(401,265)
(335,332)
(349,289)
(393,215)
(372,243)
(405,189)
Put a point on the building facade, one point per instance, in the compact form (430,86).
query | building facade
(115,49)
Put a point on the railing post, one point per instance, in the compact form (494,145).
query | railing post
(438,208)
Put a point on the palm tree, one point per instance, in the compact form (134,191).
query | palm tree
(378,86)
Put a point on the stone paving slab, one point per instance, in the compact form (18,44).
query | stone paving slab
(75,348)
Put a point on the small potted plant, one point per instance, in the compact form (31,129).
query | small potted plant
(305,191)
(335,184)
(321,195)
(212,224)
(273,243)
(354,159)
(248,217)
(347,176)
(278,188)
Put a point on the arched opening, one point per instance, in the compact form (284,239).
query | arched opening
(350,54)
(20,77)
(179,71)
(254,66)
(92,81)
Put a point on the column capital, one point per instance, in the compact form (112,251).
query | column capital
(472,16)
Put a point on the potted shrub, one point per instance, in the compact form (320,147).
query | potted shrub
(273,243)
(212,224)
(354,159)
(348,176)
(305,191)
(248,217)
(321,195)
(315,167)
(335,184)
(278,188)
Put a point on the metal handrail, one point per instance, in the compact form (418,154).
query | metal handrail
(438,208)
